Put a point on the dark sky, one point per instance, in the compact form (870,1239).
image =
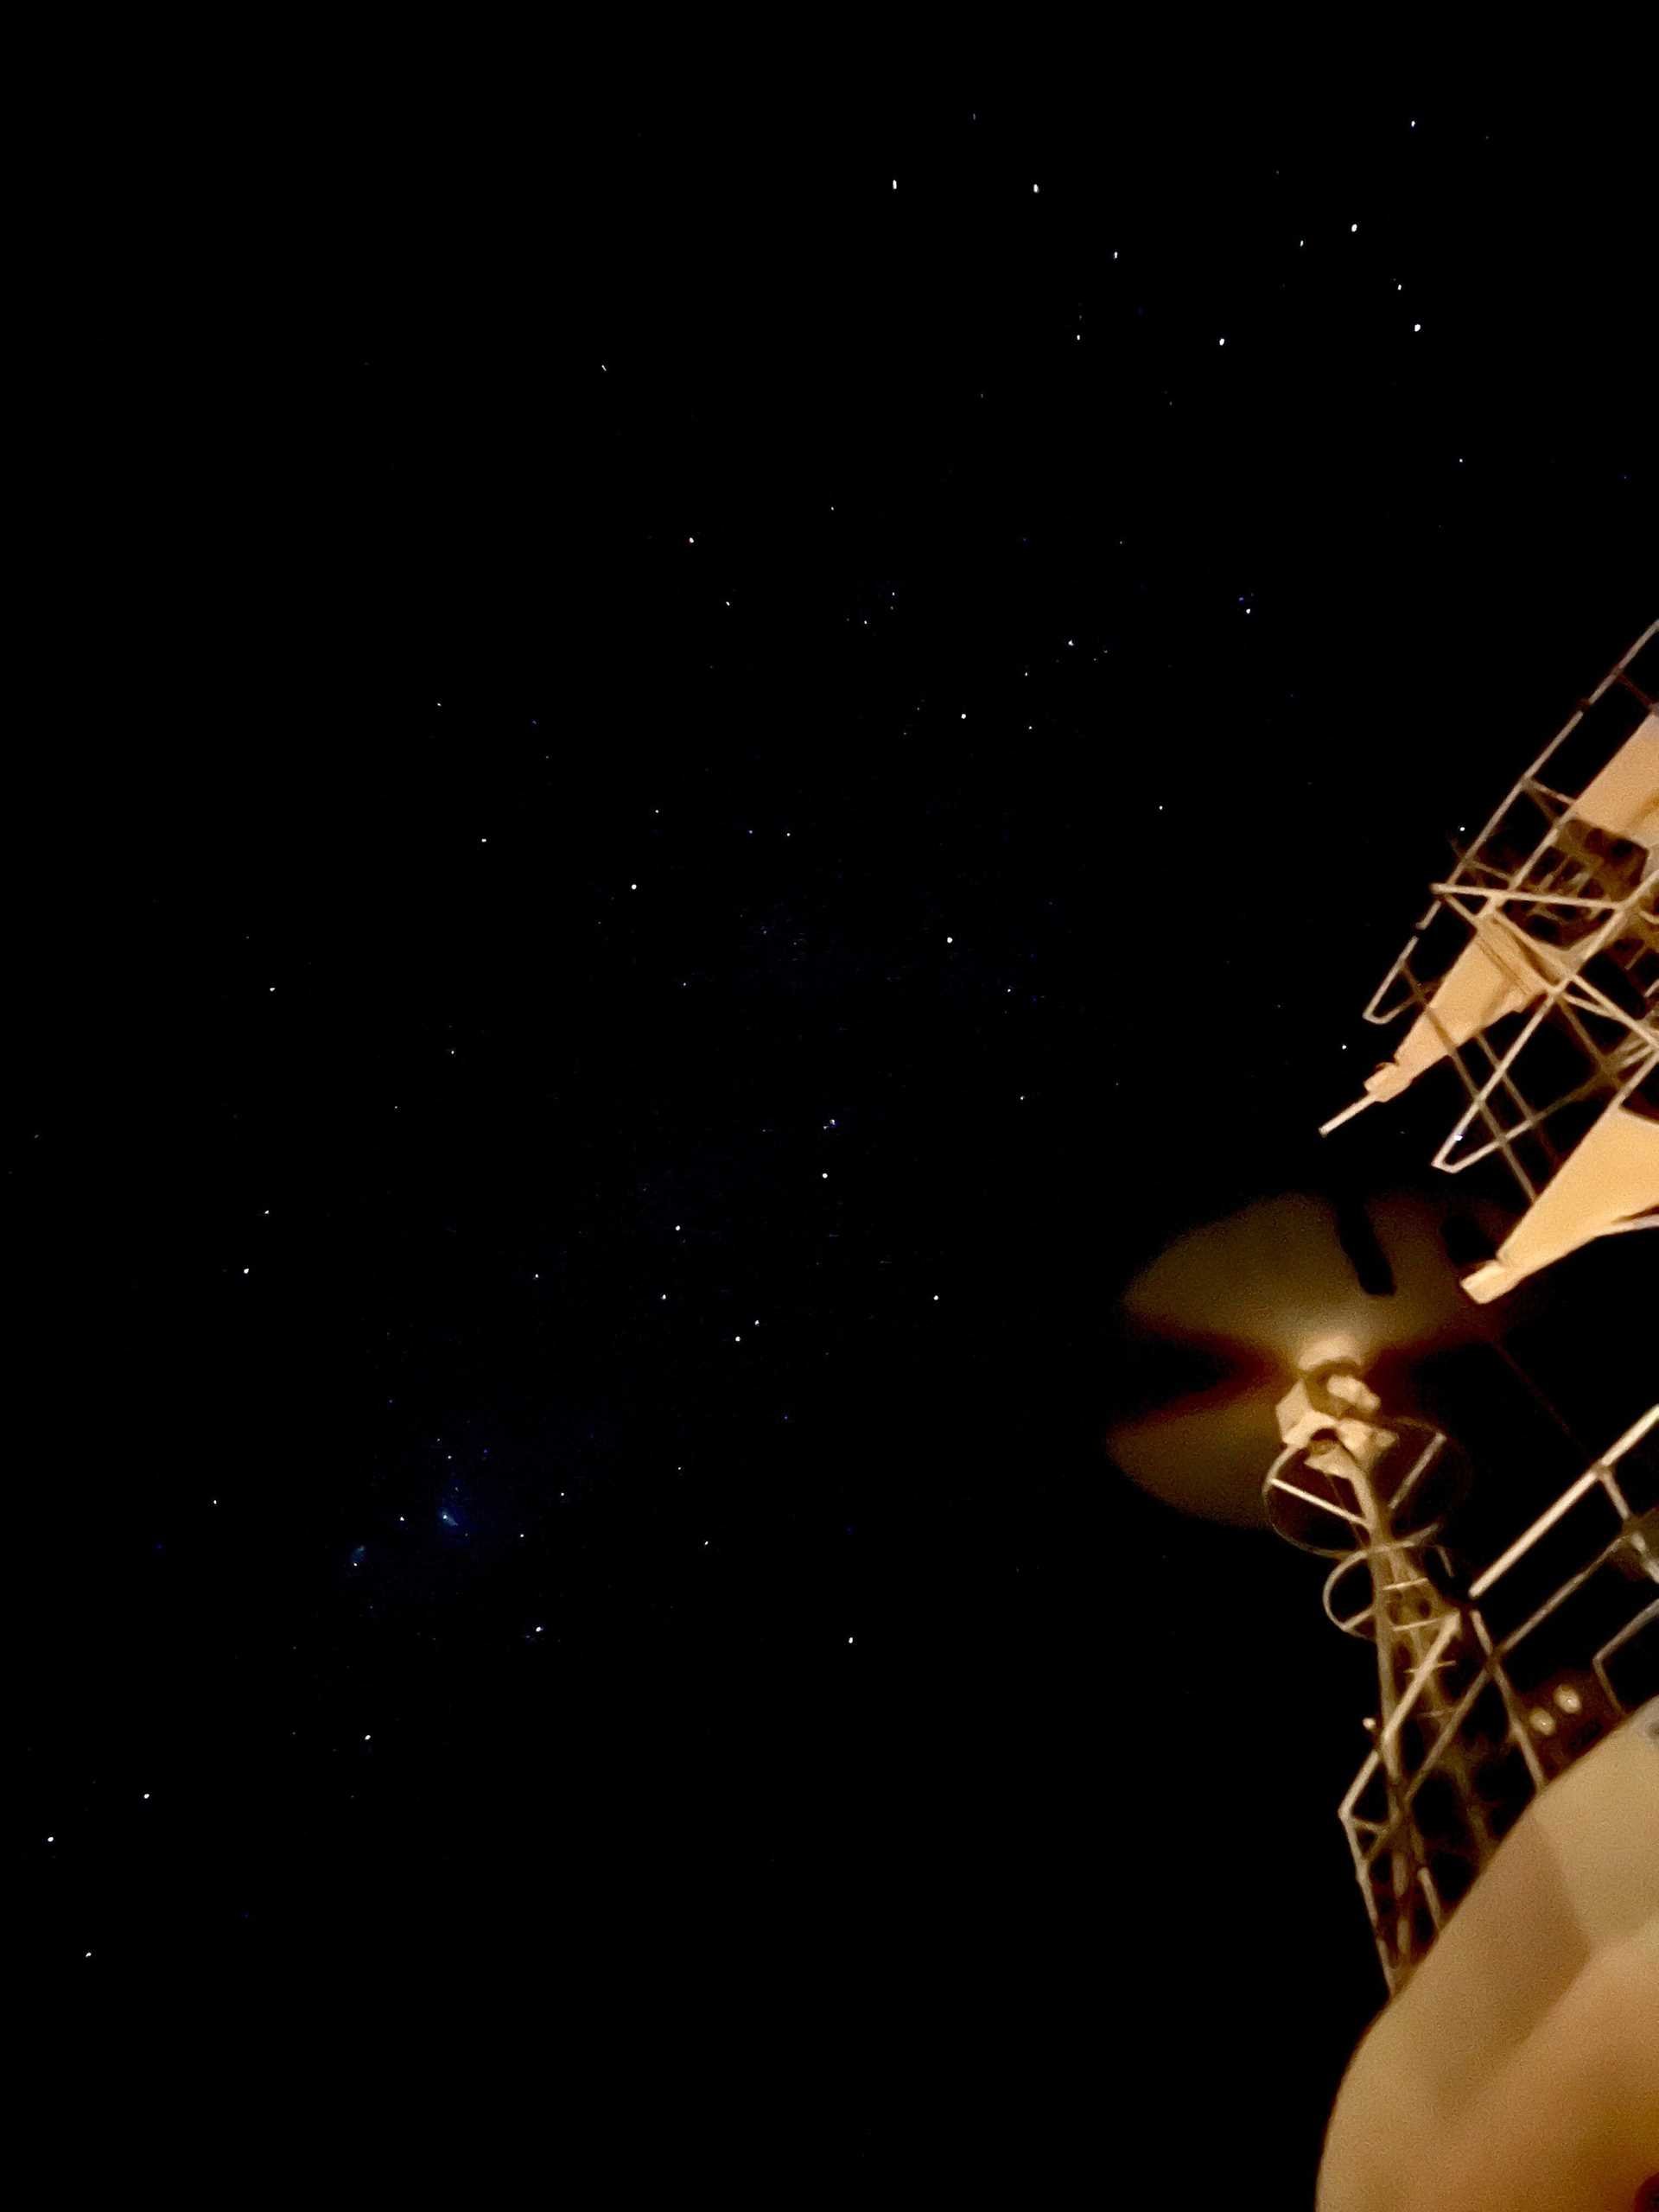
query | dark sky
(698,767)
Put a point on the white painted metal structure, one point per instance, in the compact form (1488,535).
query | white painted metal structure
(1534,972)
(1527,2052)
(1483,1695)
(1520,2068)
(1521,2063)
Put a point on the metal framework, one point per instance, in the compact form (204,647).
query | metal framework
(1486,1690)
(1536,973)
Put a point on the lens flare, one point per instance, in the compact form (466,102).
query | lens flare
(1210,1336)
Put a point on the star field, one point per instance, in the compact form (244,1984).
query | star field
(721,791)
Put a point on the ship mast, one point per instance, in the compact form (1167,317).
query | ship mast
(1535,974)
(1476,1709)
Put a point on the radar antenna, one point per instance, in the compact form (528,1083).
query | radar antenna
(1536,973)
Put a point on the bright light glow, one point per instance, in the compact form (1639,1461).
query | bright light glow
(1270,1292)
(1325,1351)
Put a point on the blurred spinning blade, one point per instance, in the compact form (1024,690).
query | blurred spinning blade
(1210,1336)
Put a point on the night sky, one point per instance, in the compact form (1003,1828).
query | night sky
(697,768)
